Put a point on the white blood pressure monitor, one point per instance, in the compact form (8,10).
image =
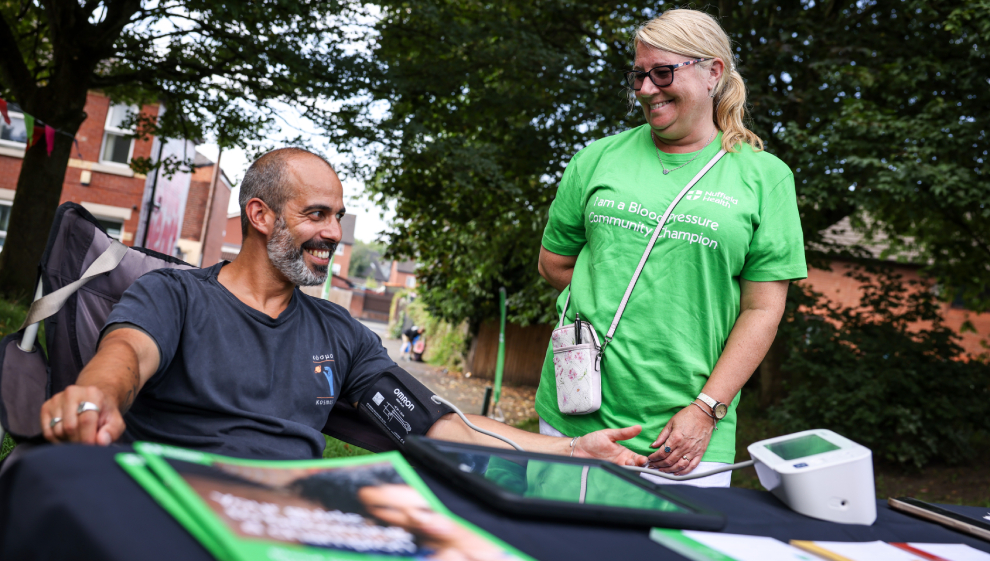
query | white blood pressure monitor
(819,474)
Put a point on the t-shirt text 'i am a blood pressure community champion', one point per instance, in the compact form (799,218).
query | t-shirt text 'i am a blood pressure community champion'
(646,229)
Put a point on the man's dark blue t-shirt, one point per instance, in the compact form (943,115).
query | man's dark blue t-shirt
(235,381)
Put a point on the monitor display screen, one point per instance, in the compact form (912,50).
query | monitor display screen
(801,447)
(556,481)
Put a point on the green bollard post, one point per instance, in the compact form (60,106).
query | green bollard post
(500,362)
(326,285)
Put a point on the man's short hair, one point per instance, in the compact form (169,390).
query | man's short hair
(265,180)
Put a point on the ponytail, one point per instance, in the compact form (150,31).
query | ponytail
(730,110)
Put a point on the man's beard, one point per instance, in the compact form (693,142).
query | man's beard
(289,259)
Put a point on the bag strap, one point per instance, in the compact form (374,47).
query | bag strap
(564,311)
(49,305)
(649,247)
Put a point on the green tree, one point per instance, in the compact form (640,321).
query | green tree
(487,103)
(362,254)
(886,373)
(218,67)
(875,105)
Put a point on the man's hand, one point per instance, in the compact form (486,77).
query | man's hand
(126,359)
(603,445)
(90,427)
(686,435)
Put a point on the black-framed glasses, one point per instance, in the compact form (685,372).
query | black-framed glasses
(661,76)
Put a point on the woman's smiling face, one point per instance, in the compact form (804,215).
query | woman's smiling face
(683,110)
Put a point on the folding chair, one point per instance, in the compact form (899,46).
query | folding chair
(82,274)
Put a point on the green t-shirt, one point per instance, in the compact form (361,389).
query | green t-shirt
(739,221)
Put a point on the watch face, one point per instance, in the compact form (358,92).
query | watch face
(720,411)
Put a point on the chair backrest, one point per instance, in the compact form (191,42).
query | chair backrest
(71,335)
(27,380)
(76,240)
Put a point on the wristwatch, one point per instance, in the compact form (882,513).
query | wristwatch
(719,409)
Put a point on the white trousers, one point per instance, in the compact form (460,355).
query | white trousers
(717,480)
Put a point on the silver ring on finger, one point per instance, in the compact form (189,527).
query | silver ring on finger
(54,421)
(685,458)
(87,406)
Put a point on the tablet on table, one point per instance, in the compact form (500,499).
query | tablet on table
(551,487)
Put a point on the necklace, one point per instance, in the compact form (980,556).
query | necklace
(665,170)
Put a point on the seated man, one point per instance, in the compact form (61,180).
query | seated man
(234,359)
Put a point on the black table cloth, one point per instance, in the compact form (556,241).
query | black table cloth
(74,502)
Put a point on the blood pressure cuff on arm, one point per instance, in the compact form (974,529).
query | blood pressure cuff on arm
(400,405)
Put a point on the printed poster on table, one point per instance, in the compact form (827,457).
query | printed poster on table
(369,507)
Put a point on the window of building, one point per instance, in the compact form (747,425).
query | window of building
(335,268)
(4,215)
(114,228)
(339,250)
(410,282)
(15,133)
(118,142)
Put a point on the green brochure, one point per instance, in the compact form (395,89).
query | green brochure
(366,507)
(136,467)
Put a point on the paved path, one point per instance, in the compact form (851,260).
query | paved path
(465,392)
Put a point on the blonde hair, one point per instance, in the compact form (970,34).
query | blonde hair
(696,34)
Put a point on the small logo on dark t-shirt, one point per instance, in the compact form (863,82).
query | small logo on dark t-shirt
(323,364)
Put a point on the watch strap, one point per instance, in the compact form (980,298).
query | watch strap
(708,400)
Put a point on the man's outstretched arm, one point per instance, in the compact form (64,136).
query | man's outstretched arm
(124,362)
(602,444)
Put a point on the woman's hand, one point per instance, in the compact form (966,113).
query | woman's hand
(686,436)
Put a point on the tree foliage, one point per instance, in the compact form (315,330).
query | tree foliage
(221,69)
(362,254)
(887,373)
(487,102)
(878,107)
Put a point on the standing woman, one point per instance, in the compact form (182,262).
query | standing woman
(708,302)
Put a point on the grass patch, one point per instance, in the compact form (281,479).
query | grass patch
(12,314)
(7,446)
(530,425)
(340,449)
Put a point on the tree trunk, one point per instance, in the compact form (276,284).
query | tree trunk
(39,188)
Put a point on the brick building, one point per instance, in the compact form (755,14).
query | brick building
(161,212)
(209,193)
(231,237)
(402,275)
(98,176)
(846,291)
